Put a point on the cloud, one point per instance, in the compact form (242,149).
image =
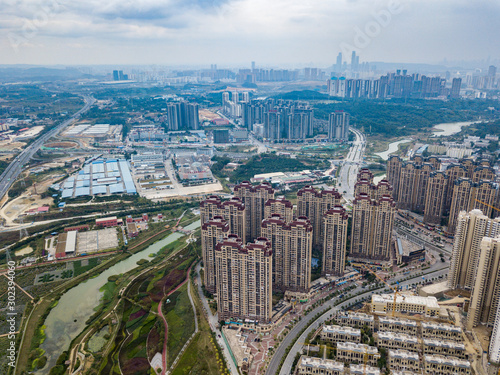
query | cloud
(277,31)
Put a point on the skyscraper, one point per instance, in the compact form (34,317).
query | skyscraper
(483,172)
(372,223)
(435,197)
(406,194)
(486,290)
(233,211)
(456,84)
(362,217)
(313,204)
(334,241)
(254,198)
(182,115)
(244,279)
(394,165)
(212,232)
(468,195)
(338,126)
(453,172)
(338,65)
(470,229)
(280,206)
(494,350)
(291,244)
(422,179)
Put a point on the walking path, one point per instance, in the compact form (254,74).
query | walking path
(160,313)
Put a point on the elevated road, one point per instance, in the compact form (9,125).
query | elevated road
(15,167)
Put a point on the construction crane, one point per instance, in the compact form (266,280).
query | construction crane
(488,205)
(396,290)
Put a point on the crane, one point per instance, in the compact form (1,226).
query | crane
(488,205)
(396,290)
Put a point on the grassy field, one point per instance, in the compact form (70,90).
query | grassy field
(201,356)
(180,320)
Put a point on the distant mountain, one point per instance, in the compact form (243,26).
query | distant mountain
(302,95)
(12,74)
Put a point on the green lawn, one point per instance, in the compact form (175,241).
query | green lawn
(201,356)
(180,319)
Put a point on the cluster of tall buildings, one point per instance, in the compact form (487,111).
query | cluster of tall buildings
(232,102)
(396,85)
(290,120)
(279,243)
(421,185)
(119,76)
(283,120)
(182,116)
(475,266)
(255,75)
(271,241)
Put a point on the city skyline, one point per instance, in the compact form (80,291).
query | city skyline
(240,31)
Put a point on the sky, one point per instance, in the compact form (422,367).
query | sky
(235,32)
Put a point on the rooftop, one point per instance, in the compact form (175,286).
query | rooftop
(339,329)
(450,361)
(360,348)
(321,363)
(440,326)
(397,337)
(444,343)
(403,354)
(415,300)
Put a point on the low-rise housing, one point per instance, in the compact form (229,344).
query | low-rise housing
(355,319)
(391,340)
(398,325)
(312,365)
(437,364)
(362,369)
(444,347)
(350,352)
(383,303)
(336,333)
(441,331)
(403,360)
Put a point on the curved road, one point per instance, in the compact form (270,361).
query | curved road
(16,166)
(436,270)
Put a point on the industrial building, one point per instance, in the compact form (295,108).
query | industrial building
(100,177)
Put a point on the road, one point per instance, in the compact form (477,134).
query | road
(350,166)
(16,166)
(435,270)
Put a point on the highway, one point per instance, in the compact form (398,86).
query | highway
(350,166)
(436,270)
(16,166)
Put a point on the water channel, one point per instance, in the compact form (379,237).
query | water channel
(67,319)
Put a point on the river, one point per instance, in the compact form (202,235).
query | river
(67,319)
(393,147)
(450,128)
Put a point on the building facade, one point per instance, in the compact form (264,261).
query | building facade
(244,279)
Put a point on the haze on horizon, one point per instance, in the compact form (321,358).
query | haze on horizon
(282,32)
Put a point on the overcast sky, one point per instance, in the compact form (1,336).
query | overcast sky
(271,32)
